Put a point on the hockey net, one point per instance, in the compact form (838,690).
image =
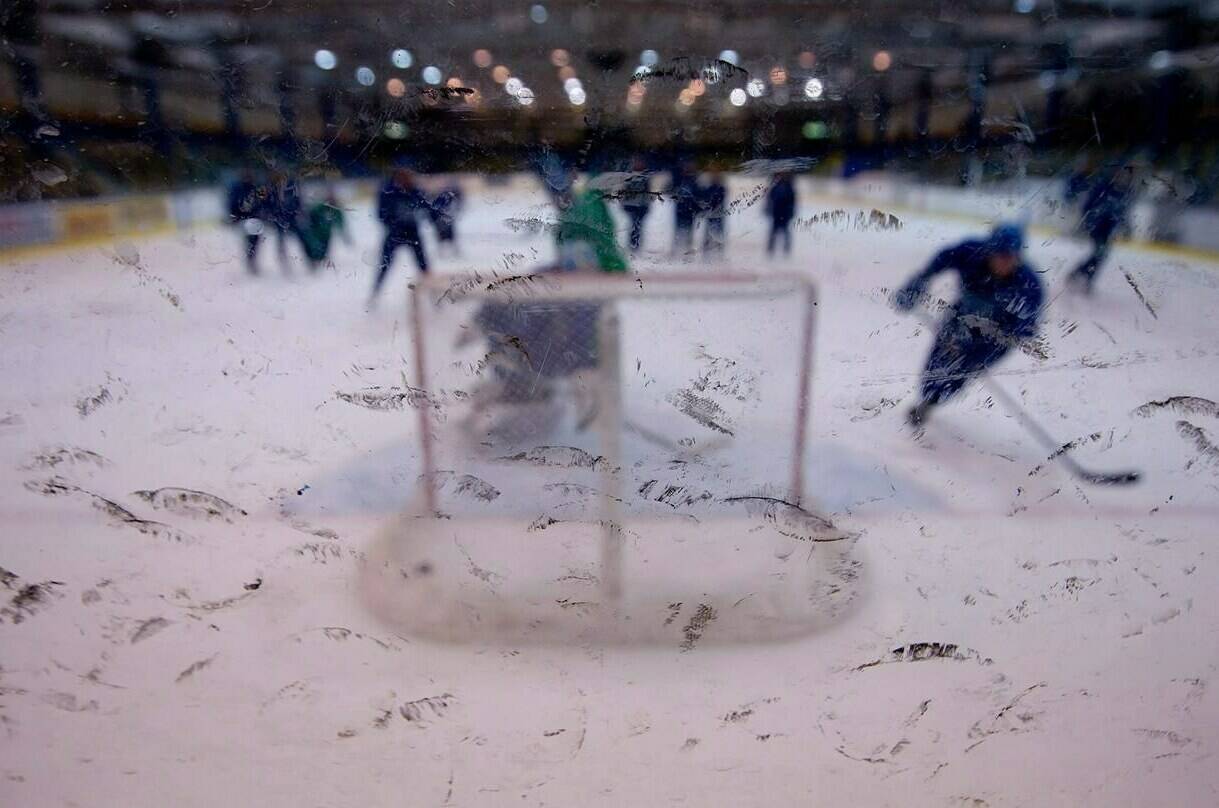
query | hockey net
(594,434)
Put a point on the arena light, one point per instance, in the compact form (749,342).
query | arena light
(365,76)
(808,60)
(577,97)
(571,84)
(687,97)
(778,75)
(1160,60)
(538,13)
(814,89)
(513,86)
(482,58)
(396,88)
(525,97)
(881,61)
(698,87)
(325,59)
(738,97)
(560,57)
(731,57)
(454,82)
(711,74)
(1025,6)
(634,96)
(500,74)
(395,130)
(432,74)
(649,57)
(755,87)
(401,58)
(566,73)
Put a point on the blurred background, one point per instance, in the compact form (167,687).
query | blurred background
(105,96)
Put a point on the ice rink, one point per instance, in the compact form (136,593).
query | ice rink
(220,650)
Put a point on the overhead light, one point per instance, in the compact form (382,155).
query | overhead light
(432,74)
(572,84)
(525,96)
(731,57)
(395,130)
(808,60)
(325,59)
(560,57)
(1160,60)
(778,75)
(815,130)
(738,97)
(813,88)
(1025,6)
(755,87)
(686,97)
(513,86)
(538,13)
(567,72)
(881,61)
(577,97)
(454,82)
(649,57)
(482,58)
(698,87)
(395,87)
(365,76)
(711,74)
(401,58)
(500,74)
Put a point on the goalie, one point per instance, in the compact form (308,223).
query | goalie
(539,349)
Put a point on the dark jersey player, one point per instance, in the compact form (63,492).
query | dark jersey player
(998,307)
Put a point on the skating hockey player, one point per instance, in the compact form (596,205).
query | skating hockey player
(781,208)
(637,200)
(399,207)
(247,209)
(325,219)
(1000,300)
(713,195)
(1108,197)
(443,209)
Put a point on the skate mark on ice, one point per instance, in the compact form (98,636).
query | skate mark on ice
(1139,293)
(68,702)
(674,611)
(873,409)
(89,404)
(28,599)
(57,486)
(558,456)
(70,455)
(998,725)
(389,398)
(420,710)
(1196,435)
(194,668)
(702,410)
(791,520)
(148,628)
(839,219)
(465,485)
(725,377)
(188,502)
(342,634)
(674,495)
(1181,405)
(704,615)
(920,651)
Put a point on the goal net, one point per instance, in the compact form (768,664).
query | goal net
(593,440)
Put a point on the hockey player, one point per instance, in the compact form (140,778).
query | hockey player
(637,200)
(284,206)
(325,218)
(585,234)
(442,210)
(247,209)
(713,195)
(781,208)
(1109,194)
(684,190)
(998,307)
(398,208)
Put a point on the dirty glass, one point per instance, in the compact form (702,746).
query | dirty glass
(608,402)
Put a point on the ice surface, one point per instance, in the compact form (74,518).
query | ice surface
(1018,639)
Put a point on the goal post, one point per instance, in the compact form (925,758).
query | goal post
(664,413)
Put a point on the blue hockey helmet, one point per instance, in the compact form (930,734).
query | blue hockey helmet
(1006,238)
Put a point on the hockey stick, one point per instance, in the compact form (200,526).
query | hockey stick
(1058,449)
